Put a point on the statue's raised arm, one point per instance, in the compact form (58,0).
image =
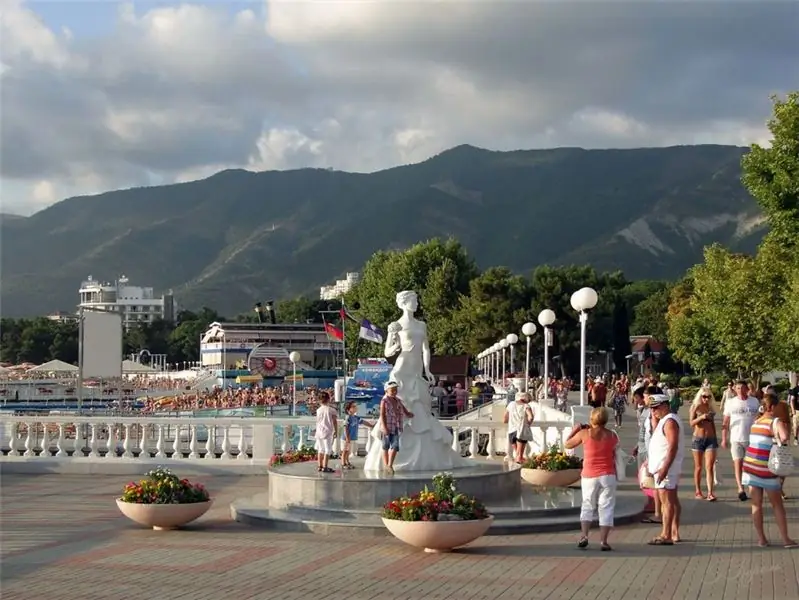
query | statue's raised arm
(426,357)
(393,344)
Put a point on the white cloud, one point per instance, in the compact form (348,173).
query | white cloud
(178,92)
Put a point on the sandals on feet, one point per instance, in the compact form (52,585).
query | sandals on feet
(659,541)
(652,521)
(583,543)
(605,547)
(711,497)
(699,496)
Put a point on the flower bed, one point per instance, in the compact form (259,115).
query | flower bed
(303,454)
(553,459)
(163,501)
(443,503)
(437,520)
(161,486)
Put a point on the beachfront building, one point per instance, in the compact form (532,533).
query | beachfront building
(136,304)
(264,348)
(341,287)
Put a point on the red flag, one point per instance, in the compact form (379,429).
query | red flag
(334,332)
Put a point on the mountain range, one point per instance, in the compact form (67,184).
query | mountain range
(238,237)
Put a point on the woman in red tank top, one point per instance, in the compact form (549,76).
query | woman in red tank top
(599,480)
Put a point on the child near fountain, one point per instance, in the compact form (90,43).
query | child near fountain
(350,437)
(326,428)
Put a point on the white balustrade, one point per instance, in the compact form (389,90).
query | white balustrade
(161,440)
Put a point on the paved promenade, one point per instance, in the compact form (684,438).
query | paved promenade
(63,539)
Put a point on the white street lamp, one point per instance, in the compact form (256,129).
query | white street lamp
(582,301)
(495,351)
(512,338)
(503,344)
(546,317)
(294,357)
(528,329)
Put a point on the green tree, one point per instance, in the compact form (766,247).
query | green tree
(498,303)
(772,174)
(439,271)
(691,337)
(649,315)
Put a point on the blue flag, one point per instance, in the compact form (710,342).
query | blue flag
(370,332)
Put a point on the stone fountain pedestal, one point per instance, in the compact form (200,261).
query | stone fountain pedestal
(350,501)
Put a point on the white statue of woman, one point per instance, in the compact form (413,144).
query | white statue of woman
(425,444)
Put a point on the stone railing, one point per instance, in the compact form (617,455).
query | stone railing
(59,439)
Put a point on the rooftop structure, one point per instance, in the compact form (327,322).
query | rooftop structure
(341,287)
(136,304)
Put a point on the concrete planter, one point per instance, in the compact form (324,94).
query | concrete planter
(544,478)
(163,516)
(438,536)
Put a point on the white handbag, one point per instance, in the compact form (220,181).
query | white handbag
(780,459)
(621,460)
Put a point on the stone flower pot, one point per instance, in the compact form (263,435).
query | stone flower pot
(163,516)
(544,478)
(438,536)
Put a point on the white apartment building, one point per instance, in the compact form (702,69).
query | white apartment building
(341,287)
(136,304)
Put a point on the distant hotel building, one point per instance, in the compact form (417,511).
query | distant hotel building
(62,317)
(136,304)
(341,287)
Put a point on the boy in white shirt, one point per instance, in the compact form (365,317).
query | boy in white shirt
(739,414)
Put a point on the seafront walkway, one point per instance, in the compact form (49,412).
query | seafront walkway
(63,538)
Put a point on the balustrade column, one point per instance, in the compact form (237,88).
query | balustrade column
(30,440)
(61,441)
(77,451)
(302,441)
(176,450)
(160,444)
(473,445)
(210,443)
(112,441)
(456,442)
(490,445)
(226,443)
(127,445)
(193,446)
(242,443)
(93,440)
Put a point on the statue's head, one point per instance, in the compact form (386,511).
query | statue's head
(408,300)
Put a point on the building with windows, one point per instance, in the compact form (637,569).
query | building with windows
(341,287)
(135,304)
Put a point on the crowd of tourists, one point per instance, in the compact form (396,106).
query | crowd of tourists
(236,397)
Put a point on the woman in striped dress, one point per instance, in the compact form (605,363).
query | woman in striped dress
(757,476)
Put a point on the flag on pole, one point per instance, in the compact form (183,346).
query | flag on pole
(344,314)
(370,332)
(334,332)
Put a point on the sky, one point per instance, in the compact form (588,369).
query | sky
(100,95)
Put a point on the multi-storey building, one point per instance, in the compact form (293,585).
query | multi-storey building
(341,287)
(135,304)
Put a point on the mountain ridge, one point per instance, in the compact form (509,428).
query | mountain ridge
(238,236)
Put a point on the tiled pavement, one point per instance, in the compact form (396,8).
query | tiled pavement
(63,538)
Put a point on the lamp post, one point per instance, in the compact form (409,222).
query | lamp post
(512,338)
(503,345)
(582,301)
(294,357)
(495,362)
(528,329)
(546,317)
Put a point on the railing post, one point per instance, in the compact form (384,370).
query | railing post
(112,441)
(93,440)
(490,445)
(226,443)
(127,445)
(193,446)
(210,443)
(160,444)
(29,440)
(61,453)
(242,443)
(473,445)
(456,441)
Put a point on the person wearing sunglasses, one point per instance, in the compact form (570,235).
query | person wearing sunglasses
(705,443)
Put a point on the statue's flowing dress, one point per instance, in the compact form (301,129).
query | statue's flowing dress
(425,444)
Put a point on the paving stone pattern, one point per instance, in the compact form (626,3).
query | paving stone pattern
(63,538)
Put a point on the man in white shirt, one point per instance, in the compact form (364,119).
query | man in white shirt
(739,414)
